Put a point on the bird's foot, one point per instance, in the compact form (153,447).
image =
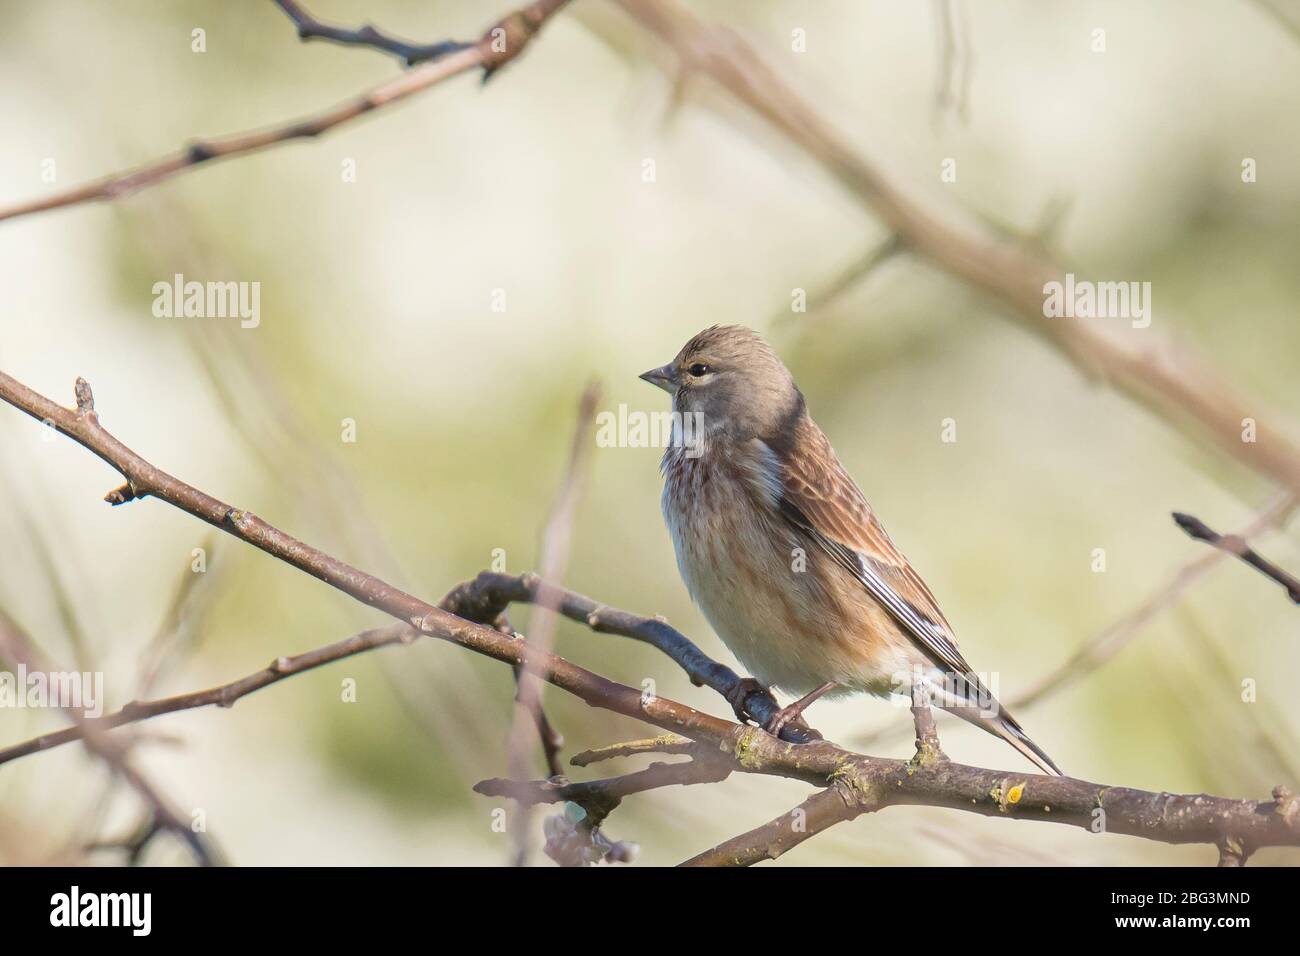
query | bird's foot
(782,717)
(794,711)
(742,690)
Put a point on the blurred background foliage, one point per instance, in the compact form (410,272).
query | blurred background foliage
(376,306)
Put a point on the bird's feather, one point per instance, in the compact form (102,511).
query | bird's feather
(820,499)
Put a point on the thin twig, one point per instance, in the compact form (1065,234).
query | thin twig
(871,782)
(663,744)
(223,695)
(927,736)
(952,91)
(1106,643)
(489,593)
(499,45)
(1284,14)
(557,536)
(1235,544)
(551,739)
(1169,379)
(824,809)
(309,28)
(1103,645)
(822,299)
(192,592)
(18,647)
(600,797)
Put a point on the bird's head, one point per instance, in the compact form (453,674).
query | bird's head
(731,377)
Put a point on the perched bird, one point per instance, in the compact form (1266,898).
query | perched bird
(784,555)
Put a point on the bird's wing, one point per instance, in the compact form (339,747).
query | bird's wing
(813,492)
(820,499)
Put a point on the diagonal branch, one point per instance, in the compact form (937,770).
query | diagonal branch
(556,538)
(144,479)
(1168,378)
(663,744)
(600,797)
(1105,644)
(838,803)
(1239,825)
(499,45)
(551,739)
(490,593)
(309,28)
(223,695)
(1236,544)
(824,809)
(18,647)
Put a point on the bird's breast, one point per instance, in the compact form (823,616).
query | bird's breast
(779,609)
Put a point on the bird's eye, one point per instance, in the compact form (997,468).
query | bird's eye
(698,369)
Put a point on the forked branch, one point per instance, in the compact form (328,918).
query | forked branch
(851,783)
(502,42)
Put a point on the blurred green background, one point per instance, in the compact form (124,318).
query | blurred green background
(376,300)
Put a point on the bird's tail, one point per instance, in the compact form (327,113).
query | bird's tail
(981,708)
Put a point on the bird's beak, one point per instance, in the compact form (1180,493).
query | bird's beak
(665,377)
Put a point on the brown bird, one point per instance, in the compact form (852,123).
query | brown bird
(784,555)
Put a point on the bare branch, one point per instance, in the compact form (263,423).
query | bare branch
(529,717)
(1105,644)
(663,744)
(18,647)
(955,62)
(871,782)
(927,737)
(823,298)
(1285,15)
(551,739)
(600,797)
(822,810)
(1168,378)
(499,45)
(309,28)
(1236,544)
(224,695)
(489,593)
